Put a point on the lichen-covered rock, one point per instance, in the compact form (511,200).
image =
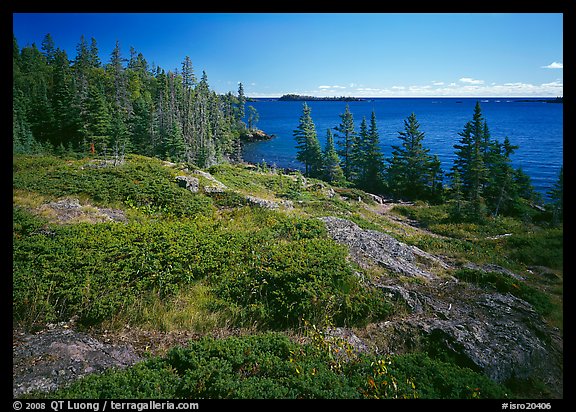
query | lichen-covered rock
(497,334)
(188,182)
(376,246)
(58,355)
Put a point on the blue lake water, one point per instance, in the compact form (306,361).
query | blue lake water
(536,127)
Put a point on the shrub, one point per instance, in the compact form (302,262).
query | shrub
(307,278)
(272,366)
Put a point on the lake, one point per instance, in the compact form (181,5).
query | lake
(537,127)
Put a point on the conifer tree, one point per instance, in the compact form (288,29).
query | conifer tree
(370,177)
(307,144)
(411,169)
(332,172)
(470,161)
(556,194)
(345,140)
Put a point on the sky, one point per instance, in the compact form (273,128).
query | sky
(331,54)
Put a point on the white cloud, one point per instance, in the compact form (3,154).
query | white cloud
(554,65)
(469,80)
(332,87)
(438,83)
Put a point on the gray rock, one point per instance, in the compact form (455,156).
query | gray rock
(376,246)
(269,204)
(497,334)
(57,356)
(188,182)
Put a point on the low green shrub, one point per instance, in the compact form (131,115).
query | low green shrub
(272,366)
(309,278)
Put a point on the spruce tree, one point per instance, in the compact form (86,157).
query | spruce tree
(307,144)
(556,194)
(470,161)
(370,177)
(345,140)
(412,171)
(332,172)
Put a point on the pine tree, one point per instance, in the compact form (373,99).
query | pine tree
(372,160)
(410,173)
(241,103)
(307,144)
(557,198)
(332,172)
(345,140)
(470,161)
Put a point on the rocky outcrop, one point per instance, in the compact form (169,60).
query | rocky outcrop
(58,355)
(188,182)
(69,210)
(269,204)
(255,135)
(378,247)
(216,186)
(497,334)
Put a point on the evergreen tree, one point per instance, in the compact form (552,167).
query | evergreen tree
(241,103)
(48,48)
(436,179)
(120,107)
(97,120)
(345,140)
(307,144)
(412,172)
(557,198)
(470,160)
(332,172)
(370,177)
(499,190)
(253,117)
(357,155)
(188,78)
(175,146)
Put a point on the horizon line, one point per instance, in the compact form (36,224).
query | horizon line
(407,97)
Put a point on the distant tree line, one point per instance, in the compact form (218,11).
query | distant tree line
(481,181)
(124,105)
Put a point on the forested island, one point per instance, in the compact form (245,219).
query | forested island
(555,100)
(300,98)
(146,250)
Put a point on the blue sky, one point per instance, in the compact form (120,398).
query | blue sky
(332,54)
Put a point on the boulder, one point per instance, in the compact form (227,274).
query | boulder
(188,182)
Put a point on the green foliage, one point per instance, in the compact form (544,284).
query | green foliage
(411,173)
(140,183)
(303,278)
(272,366)
(83,105)
(309,151)
(259,265)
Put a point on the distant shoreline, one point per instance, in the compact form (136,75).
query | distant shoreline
(296,97)
(299,98)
